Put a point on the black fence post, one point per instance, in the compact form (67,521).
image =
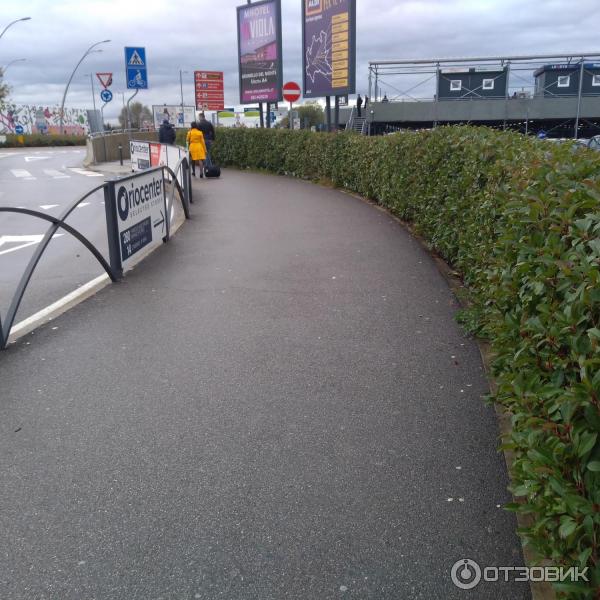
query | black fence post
(112,229)
(121,154)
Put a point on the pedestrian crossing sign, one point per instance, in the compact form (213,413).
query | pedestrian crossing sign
(136,68)
(135,60)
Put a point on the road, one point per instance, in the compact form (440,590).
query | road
(47,180)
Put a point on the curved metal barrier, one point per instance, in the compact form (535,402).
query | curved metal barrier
(113,267)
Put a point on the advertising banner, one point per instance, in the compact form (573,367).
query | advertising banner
(174,115)
(209,90)
(329,47)
(259,51)
(141,211)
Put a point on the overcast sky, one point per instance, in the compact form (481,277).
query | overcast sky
(198,34)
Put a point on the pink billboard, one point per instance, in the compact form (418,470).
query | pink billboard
(259,51)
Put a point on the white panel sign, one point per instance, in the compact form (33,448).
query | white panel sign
(140,155)
(141,214)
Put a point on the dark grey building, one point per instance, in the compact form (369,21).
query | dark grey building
(563,80)
(477,82)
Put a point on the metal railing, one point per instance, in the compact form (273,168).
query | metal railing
(112,268)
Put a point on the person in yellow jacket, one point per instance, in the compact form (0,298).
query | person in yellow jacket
(197,147)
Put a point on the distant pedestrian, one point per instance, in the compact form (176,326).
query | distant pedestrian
(359,103)
(197,148)
(366,102)
(385,98)
(166,133)
(207,129)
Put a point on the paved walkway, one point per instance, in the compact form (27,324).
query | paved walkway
(277,404)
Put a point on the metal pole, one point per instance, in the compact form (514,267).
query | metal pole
(62,104)
(129,113)
(328,111)
(103,136)
(370,81)
(260,110)
(336,113)
(268,112)
(12,23)
(93,92)
(436,99)
(506,96)
(290,117)
(181,87)
(12,62)
(581,73)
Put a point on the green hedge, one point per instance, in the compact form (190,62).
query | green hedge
(520,220)
(39,140)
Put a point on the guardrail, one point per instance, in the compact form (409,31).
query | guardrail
(126,236)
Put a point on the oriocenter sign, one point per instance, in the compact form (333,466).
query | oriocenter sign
(141,209)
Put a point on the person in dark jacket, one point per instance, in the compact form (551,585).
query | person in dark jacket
(166,133)
(207,129)
(359,103)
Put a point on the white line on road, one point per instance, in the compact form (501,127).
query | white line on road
(32,158)
(22,173)
(83,204)
(86,173)
(56,174)
(24,241)
(48,206)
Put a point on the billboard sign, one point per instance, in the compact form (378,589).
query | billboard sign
(173,114)
(329,47)
(209,90)
(259,51)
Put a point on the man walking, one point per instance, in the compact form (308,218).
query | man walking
(208,131)
(359,103)
(166,133)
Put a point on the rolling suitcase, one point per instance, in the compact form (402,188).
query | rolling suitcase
(211,170)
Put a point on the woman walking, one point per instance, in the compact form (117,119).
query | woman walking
(197,147)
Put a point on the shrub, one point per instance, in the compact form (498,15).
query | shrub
(520,220)
(39,140)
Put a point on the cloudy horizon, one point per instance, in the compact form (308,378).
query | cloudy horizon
(197,35)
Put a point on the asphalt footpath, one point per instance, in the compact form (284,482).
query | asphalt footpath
(277,404)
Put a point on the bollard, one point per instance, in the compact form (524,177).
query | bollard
(121,154)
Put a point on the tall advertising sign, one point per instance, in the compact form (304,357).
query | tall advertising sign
(329,47)
(259,51)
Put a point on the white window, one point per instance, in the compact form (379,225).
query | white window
(564,81)
(455,85)
(488,84)
(596,80)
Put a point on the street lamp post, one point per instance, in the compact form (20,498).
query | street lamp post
(12,62)
(62,105)
(12,23)
(181,88)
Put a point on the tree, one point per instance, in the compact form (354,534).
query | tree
(3,89)
(139,115)
(310,114)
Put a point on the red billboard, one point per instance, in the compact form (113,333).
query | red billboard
(209,90)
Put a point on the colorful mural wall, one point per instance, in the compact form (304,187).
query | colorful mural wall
(42,119)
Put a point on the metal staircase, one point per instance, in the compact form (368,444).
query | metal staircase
(356,123)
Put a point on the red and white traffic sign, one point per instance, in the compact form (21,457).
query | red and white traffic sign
(291,91)
(105,79)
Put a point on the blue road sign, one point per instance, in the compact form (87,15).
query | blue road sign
(136,68)
(19,129)
(106,95)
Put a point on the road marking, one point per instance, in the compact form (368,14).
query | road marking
(32,158)
(48,206)
(86,173)
(56,174)
(83,204)
(24,241)
(22,173)
(3,155)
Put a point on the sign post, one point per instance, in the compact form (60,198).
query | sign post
(291,93)
(209,90)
